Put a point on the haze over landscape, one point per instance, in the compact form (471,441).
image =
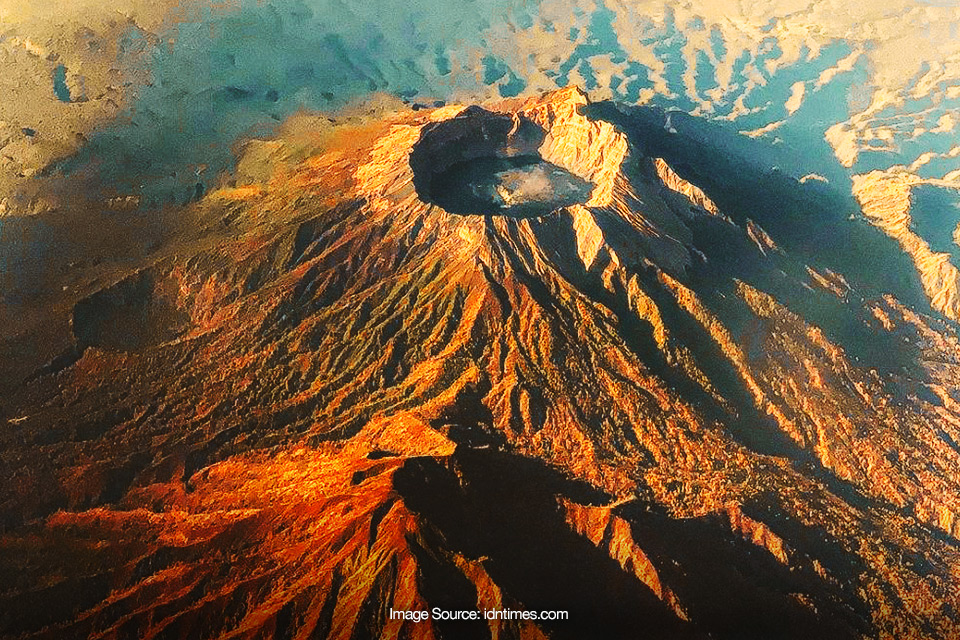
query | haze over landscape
(646,311)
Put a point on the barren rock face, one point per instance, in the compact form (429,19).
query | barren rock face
(613,389)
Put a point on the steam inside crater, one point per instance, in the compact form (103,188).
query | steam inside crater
(484,163)
(521,187)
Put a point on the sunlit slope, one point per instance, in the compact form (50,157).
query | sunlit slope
(112,82)
(113,111)
(329,396)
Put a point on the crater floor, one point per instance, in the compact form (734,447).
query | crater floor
(521,187)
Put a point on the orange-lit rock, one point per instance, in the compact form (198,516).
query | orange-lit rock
(327,395)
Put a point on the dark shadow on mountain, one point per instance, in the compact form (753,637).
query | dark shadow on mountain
(742,176)
(810,222)
(736,589)
(502,510)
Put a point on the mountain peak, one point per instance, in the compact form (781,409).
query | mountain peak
(486,356)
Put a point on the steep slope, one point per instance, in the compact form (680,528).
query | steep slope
(112,113)
(330,396)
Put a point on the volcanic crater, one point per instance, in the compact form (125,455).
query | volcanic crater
(485,163)
(342,398)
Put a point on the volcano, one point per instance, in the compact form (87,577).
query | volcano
(540,355)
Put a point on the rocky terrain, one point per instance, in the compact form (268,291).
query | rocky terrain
(133,106)
(650,385)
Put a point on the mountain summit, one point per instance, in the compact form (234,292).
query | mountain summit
(540,354)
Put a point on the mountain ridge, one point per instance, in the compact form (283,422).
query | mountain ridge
(354,399)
